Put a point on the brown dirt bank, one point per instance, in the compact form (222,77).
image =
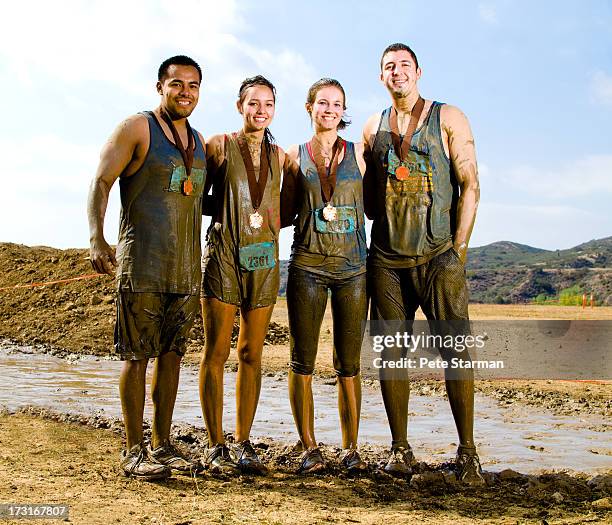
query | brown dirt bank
(78,317)
(48,457)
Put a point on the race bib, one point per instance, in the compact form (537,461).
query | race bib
(179,175)
(258,256)
(414,172)
(346,220)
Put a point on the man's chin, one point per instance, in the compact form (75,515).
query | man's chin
(179,113)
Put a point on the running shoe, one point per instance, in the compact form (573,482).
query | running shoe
(311,462)
(217,459)
(352,462)
(468,469)
(400,462)
(244,455)
(136,463)
(167,454)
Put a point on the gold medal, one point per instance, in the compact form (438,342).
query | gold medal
(255,220)
(329,212)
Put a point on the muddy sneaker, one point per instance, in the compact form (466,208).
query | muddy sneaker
(311,462)
(218,460)
(244,455)
(136,463)
(352,462)
(400,462)
(468,469)
(167,454)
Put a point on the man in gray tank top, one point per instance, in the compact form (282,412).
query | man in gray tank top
(160,163)
(421,191)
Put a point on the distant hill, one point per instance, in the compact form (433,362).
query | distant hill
(509,272)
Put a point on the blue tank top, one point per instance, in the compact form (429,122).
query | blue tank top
(331,248)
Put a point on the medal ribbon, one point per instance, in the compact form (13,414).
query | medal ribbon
(327,175)
(256,186)
(402,147)
(187,155)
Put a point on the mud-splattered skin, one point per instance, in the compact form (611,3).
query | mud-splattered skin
(159,237)
(400,76)
(416,223)
(326,257)
(227,284)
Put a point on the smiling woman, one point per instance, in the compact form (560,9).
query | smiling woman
(240,269)
(322,198)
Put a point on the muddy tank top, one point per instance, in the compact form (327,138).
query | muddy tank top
(159,232)
(231,239)
(331,248)
(414,216)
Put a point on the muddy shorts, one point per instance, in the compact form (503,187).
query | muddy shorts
(306,301)
(151,324)
(438,286)
(231,284)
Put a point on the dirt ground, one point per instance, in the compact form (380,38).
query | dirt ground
(47,457)
(52,458)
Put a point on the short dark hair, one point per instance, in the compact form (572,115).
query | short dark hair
(399,47)
(178,60)
(326,82)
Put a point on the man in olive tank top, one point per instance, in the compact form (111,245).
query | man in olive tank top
(421,190)
(160,163)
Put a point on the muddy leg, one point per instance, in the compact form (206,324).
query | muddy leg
(164,387)
(253,329)
(132,393)
(306,302)
(218,323)
(349,407)
(302,407)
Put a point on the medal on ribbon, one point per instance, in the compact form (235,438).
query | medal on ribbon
(329,212)
(402,147)
(255,220)
(257,186)
(186,154)
(327,174)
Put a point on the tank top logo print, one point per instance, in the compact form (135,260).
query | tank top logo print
(414,172)
(179,175)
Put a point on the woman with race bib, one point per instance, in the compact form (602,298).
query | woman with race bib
(240,270)
(322,197)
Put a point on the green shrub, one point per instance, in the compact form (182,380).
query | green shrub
(571,296)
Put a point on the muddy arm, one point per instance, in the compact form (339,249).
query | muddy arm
(462,153)
(119,156)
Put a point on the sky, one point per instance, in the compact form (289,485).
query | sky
(533,78)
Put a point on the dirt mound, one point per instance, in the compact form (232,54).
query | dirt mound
(77,316)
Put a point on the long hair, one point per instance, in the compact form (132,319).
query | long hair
(259,80)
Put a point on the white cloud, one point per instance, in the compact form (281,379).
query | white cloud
(590,175)
(601,89)
(107,53)
(487,13)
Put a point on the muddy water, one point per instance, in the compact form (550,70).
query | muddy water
(525,439)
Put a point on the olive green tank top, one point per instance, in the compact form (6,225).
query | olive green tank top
(230,229)
(414,218)
(159,233)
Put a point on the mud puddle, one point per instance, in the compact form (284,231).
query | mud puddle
(525,439)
